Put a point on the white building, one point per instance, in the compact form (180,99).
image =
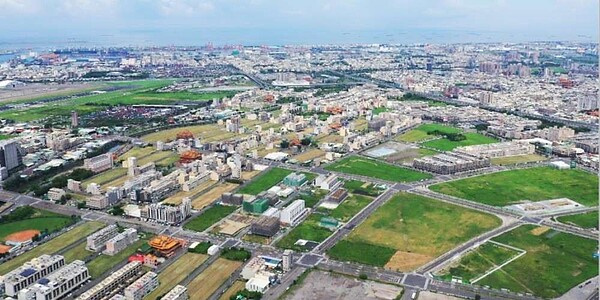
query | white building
(97,241)
(179,292)
(112,282)
(55,194)
(121,241)
(58,284)
(142,287)
(99,163)
(259,283)
(30,272)
(293,213)
(329,183)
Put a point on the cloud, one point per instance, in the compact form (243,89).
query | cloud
(19,7)
(184,7)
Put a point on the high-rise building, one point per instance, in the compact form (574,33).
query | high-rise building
(74,119)
(168,214)
(97,240)
(10,156)
(287,260)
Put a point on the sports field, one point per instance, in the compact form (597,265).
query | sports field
(41,220)
(445,144)
(264,181)
(554,263)
(175,273)
(518,159)
(103,263)
(534,184)
(377,169)
(587,220)
(52,246)
(409,231)
(309,230)
(209,217)
(211,279)
(420,133)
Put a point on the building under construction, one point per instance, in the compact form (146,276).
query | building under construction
(451,162)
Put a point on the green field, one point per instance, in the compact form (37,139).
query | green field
(4,137)
(419,228)
(420,133)
(518,159)
(479,261)
(350,207)
(554,263)
(587,220)
(209,217)
(348,250)
(379,110)
(309,230)
(376,169)
(52,246)
(175,273)
(103,263)
(265,181)
(445,144)
(106,176)
(312,197)
(77,253)
(41,220)
(534,184)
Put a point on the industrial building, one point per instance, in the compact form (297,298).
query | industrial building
(99,163)
(294,179)
(256,205)
(97,241)
(121,241)
(30,272)
(113,283)
(142,287)
(450,163)
(58,284)
(265,226)
(293,213)
(179,292)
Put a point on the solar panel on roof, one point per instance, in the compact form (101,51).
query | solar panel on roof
(44,281)
(27,272)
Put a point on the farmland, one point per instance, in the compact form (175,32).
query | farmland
(212,195)
(208,133)
(551,265)
(377,169)
(210,279)
(176,272)
(543,183)
(432,228)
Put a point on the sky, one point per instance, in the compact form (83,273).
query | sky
(301,21)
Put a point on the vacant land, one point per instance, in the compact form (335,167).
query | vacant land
(415,226)
(209,217)
(312,197)
(265,181)
(309,155)
(175,273)
(206,133)
(53,245)
(106,176)
(212,195)
(479,261)
(233,289)
(534,184)
(377,169)
(420,133)
(77,253)
(587,220)
(178,197)
(551,266)
(103,263)
(308,230)
(445,144)
(211,279)
(350,207)
(41,220)
(518,159)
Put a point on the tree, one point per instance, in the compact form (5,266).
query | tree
(306,141)
(284,144)
(80,205)
(363,276)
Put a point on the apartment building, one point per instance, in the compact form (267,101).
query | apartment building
(99,163)
(121,241)
(166,213)
(97,241)
(30,272)
(179,292)
(451,162)
(58,284)
(142,287)
(112,283)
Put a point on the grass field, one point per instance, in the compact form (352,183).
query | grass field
(350,207)
(554,263)
(209,217)
(52,246)
(206,133)
(265,181)
(41,220)
(311,198)
(413,226)
(534,184)
(376,169)
(309,155)
(212,195)
(420,133)
(309,230)
(233,289)
(77,253)
(106,176)
(587,220)
(471,139)
(175,273)
(518,159)
(211,279)
(479,261)
(103,263)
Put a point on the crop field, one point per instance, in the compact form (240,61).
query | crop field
(376,169)
(587,220)
(350,207)
(309,230)
(420,133)
(212,195)
(233,289)
(211,279)
(410,230)
(265,181)
(518,159)
(103,263)
(206,133)
(53,245)
(209,217)
(534,184)
(551,266)
(41,220)
(445,144)
(479,261)
(175,273)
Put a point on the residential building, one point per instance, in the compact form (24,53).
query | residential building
(97,240)
(451,162)
(30,272)
(113,283)
(179,292)
(99,163)
(97,202)
(168,214)
(56,194)
(338,196)
(10,155)
(287,260)
(58,284)
(121,241)
(142,286)
(293,213)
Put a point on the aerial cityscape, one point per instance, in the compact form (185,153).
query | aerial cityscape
(147,155)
